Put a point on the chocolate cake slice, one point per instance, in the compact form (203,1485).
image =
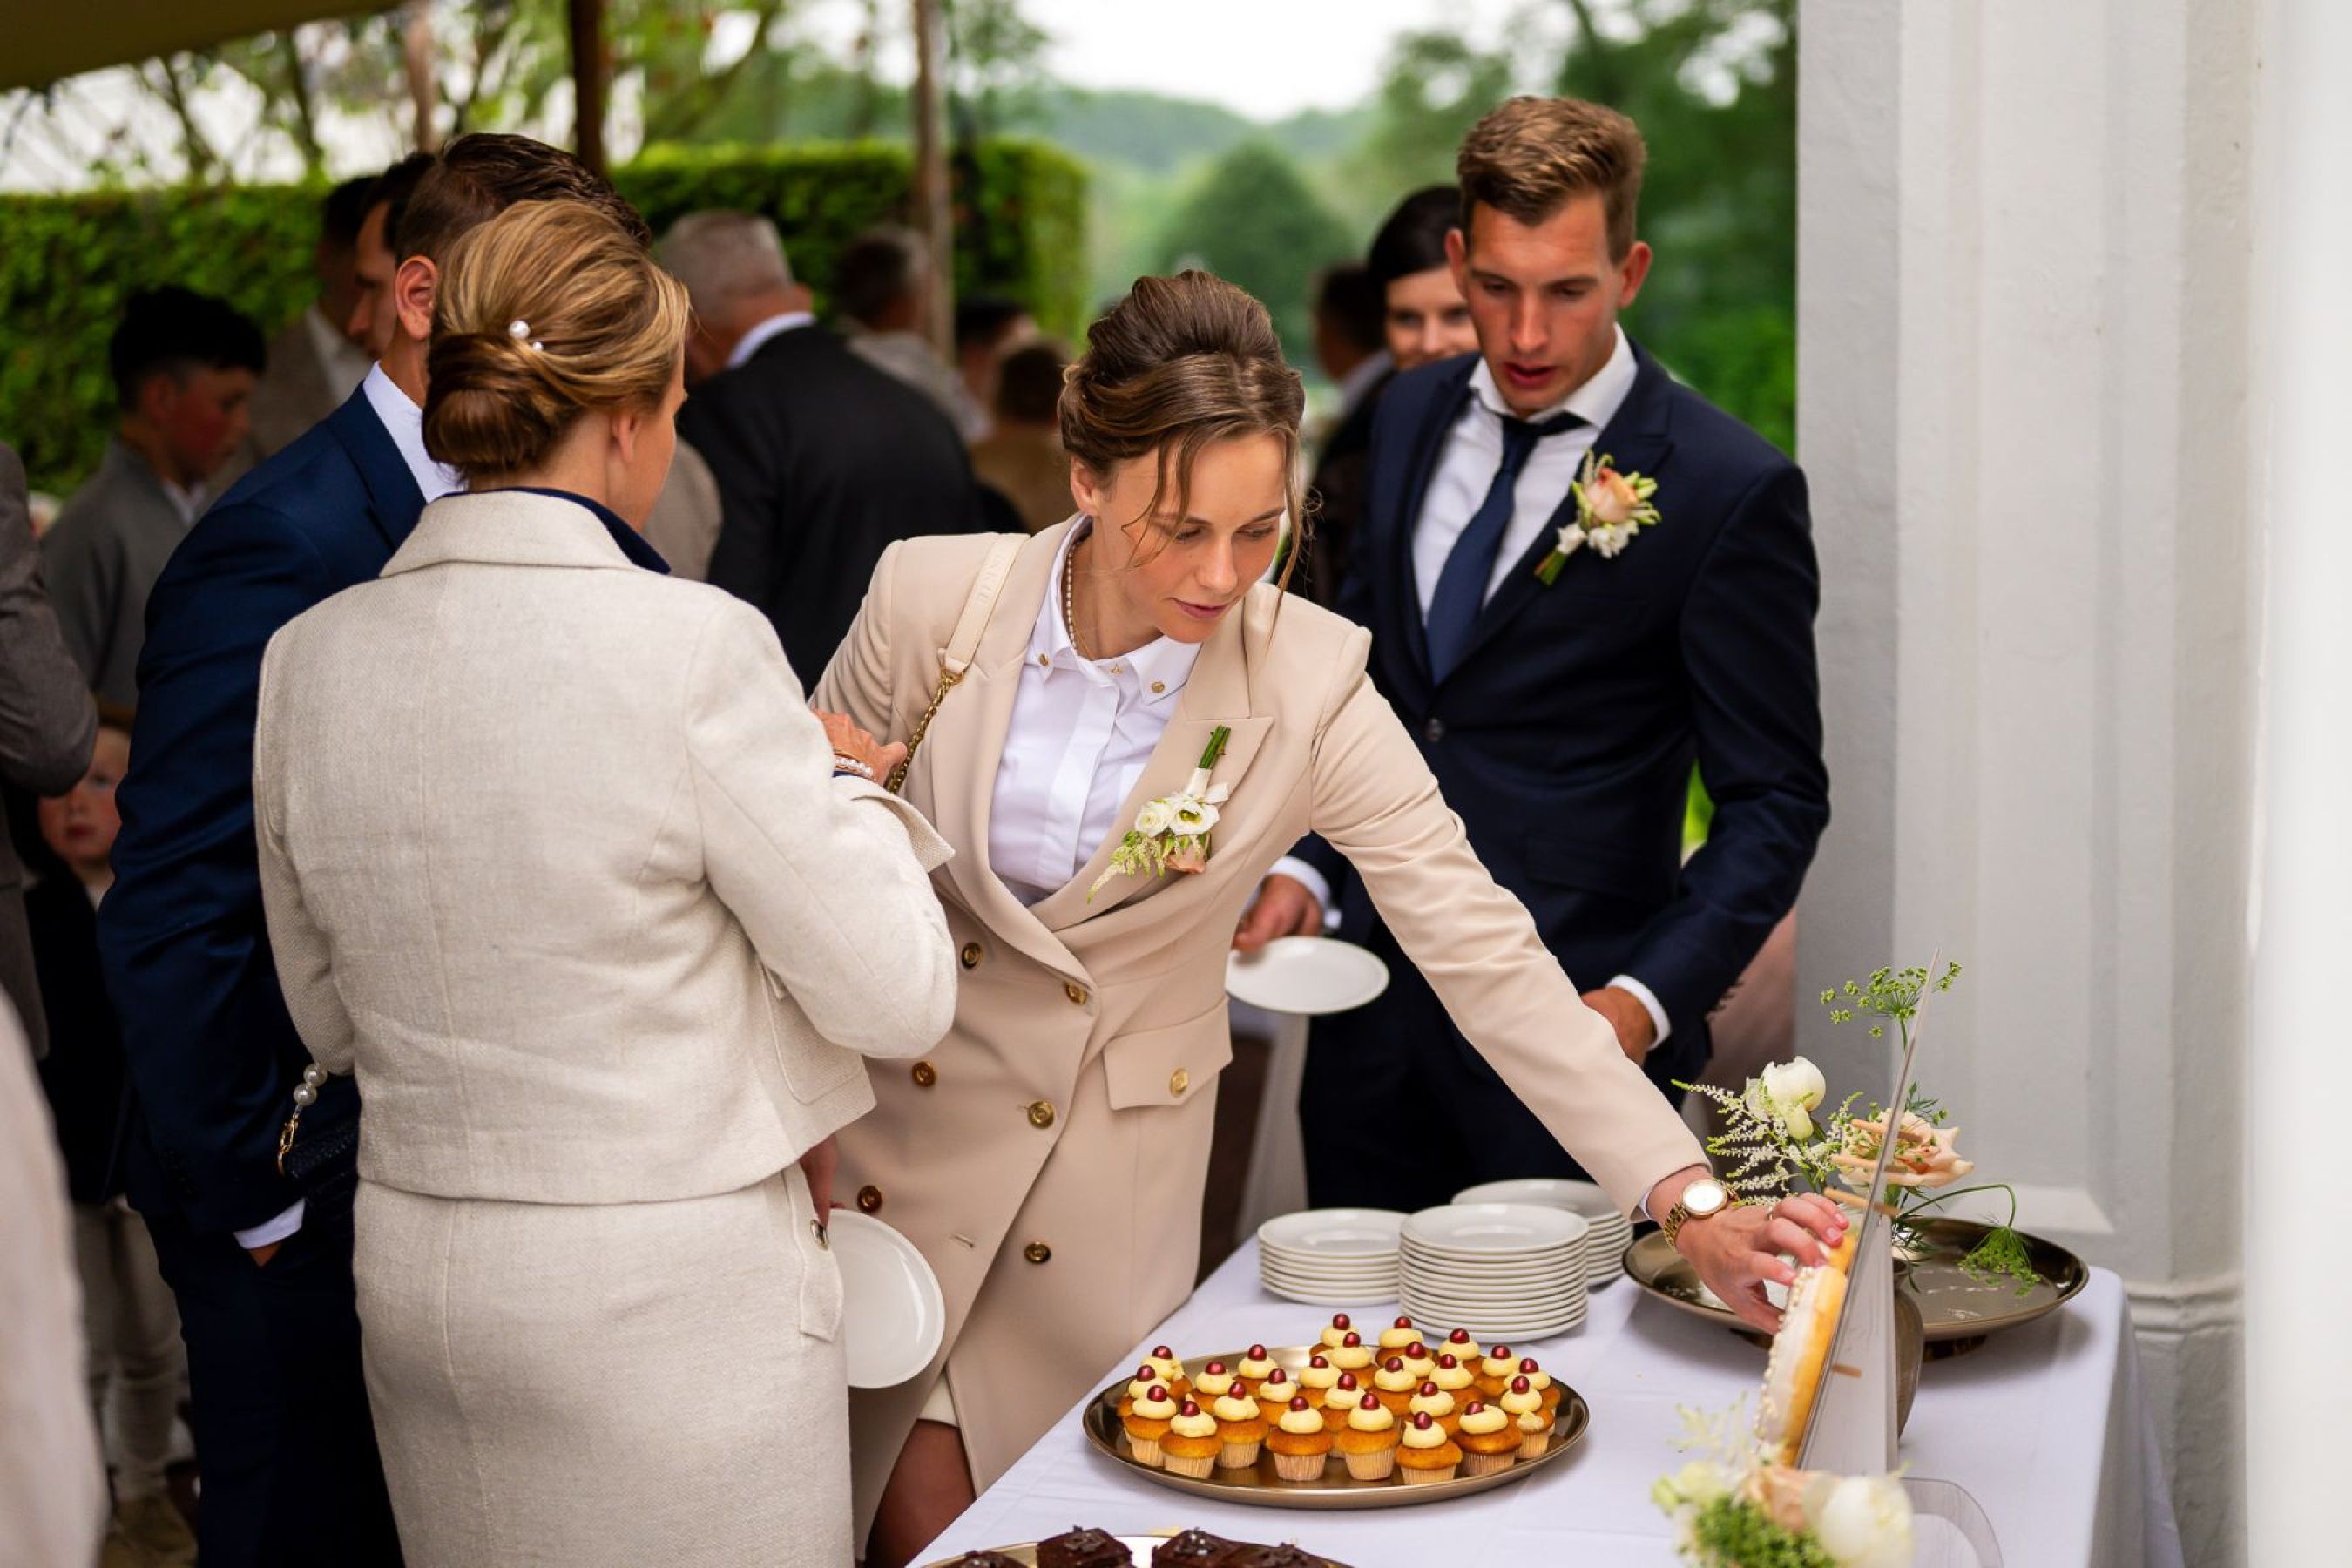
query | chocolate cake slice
(1193,1549)
(1084,1548)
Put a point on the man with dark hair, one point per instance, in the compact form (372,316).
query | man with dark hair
(1566,641)
(879,283)
(317,360)
(987,327)
(251,1211)
(374,323)
(1021,459)
(184,367)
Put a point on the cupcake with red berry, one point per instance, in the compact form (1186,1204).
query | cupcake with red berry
(1540,1381)
(1495,1373)
(1368,1441)
(1344,1395)
(1426,1453)
(1525,1407)
(1418,1360)
(1252,1370)
(1192,1444)
(1315,1378)
(1241,1426)
(1149,1422)
(1395,1384)
(1298,1442)
(1274,1390)
(1145,1377)
(1172,1372)
(1463,1348)
(1434,1402)
(1351,1353)
(1455,1378)
(1216,1380)
(1398,1335)
(1488,1437)
(1336,1330)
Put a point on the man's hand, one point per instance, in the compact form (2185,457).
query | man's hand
(1737,1251)
(818,1165)
(1283,908)
(1636,1032)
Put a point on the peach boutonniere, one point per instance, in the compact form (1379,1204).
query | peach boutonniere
(1611,508)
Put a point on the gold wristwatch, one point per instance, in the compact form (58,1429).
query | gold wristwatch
(1702,1198)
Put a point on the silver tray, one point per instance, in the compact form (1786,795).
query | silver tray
(1262,1487)
(1958,1311)
(1140,1547)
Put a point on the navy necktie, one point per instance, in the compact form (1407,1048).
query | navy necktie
(1462,586)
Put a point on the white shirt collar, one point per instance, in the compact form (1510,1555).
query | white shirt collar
(1160,667)
(755,340)
(1596,401)
(404,423)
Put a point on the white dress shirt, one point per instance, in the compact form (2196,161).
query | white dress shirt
(403,421)
(1081,733)
(755,340)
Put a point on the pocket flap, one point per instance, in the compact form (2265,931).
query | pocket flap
(1168,1066)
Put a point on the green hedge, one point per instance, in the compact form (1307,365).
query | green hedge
(67,262)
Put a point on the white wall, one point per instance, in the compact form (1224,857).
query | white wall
(2023,382)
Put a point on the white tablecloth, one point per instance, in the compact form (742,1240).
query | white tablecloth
(2044,1425)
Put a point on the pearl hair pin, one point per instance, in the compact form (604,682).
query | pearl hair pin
(519,330)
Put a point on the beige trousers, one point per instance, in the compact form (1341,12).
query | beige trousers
(135,1360)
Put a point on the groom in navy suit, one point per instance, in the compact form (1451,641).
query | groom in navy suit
(1562,717)
(254,1229)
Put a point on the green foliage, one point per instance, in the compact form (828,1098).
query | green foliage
(1887,994)
(66,263)
(1730,1532)
(1253,221)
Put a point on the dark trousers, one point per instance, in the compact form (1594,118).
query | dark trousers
(1399,1111)
(283,1436)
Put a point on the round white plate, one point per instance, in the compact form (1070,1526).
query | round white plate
(1340,1235)
(1314,1298)
(1578,1197)
(1487,1230)
(892,1314)
(1307,975)
(1544,1330)
(1488,1265)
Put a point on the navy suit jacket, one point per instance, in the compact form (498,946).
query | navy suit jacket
(1565,737)
(213,1056)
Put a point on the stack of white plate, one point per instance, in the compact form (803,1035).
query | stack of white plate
(1506,1270)
(1612,1234)
(1331,1258)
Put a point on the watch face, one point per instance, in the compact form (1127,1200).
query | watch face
(1703,1197)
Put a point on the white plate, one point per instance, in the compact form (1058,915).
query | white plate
(1541,1329)
(892,1314)
(1308,974)
(1339,1234)
(1493,1230)
(1313,1298)
(1577,1197)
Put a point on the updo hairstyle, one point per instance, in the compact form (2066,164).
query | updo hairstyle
(1179,363)
(547,311)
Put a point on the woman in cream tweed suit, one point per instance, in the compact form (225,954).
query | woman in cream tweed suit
(557,862)
(1048,1156)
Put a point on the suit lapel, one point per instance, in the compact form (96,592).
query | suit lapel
(393,500)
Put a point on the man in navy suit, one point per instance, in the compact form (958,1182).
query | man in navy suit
(252,1218)
(1563,716)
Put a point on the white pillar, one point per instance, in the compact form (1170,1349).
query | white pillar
(2023,379)
(2298,1355)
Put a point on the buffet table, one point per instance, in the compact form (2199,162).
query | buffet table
(2044,1425)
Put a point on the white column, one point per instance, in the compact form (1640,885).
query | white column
(2298,1356)
(2022,393)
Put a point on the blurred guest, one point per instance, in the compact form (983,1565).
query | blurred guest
(987,327)
(823,461)
(1427,317)
(256,1240)
(1352,347)
(52,1489)
(184,365)
(134,1362)
(316,361)
(1022,458)
(686,516)
(879,285)
(47,723)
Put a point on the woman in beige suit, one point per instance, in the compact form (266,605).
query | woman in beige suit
(558,862)
(1048,1156)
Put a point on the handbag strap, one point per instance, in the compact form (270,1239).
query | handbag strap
(963,642)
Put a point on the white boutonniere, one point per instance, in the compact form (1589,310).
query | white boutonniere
(1611,508)
(1171,834)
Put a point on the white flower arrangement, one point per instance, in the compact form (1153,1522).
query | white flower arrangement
(1732,1509)
(1171,834)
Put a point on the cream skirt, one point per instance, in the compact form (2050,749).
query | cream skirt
(616,1384)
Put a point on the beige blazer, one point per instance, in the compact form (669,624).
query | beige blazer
(553,858)
(1048,1156)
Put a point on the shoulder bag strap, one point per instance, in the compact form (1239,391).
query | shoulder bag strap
(962,644)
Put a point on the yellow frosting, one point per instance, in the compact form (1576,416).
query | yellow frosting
(1200,1424)
(1350,1359)
(1170,1369)
(1155,1409)
(1304,1422)
(1519,1404)
(1421,1437)
(1141,1387)
(1395,1381)
(1322,1377)
(1537,1380)
(1451,1378)
(1465,1354)
(1505,1367)
(1438,1404)
(1333,1334)
(1376,1419)
(1421,1366)
(1485,1420)
(1397,1339)
(1253,1368)
(1236,1406)
(1535,1421)
(1213,1383)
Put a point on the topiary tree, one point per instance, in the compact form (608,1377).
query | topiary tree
(1253,221)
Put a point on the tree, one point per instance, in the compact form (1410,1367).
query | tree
(1253,221)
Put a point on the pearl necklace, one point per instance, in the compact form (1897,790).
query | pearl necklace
(1070,602)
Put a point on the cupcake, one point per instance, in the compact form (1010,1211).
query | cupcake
(1463,1348)
(1344,1395)
(1419,1362)
(1495,1373)
(1148,1423)
(1274,1390)
(1145,1377)
(1454,1377)
(1540,1381)
(1191,1445)
(1337,1330)
(1368,1441)
(1435,1403)
(1489,1439)
(1427,1453)
(1398,1335)
(1299,1443)
(1351,1353)
(1241,1426)
(1315,1378)
(1172,1372)
(1254,1370)
(1395,1384)
(1525,1407)
(1216,1380)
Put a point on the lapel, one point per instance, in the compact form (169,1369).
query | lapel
(1429,445)
(1636,441)
(1217,693)
(393,499)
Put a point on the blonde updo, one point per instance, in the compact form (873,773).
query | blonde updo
(547,311)
(1179,363)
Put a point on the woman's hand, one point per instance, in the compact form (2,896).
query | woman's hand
(1737,1251)
(858,746)
(818,1165)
